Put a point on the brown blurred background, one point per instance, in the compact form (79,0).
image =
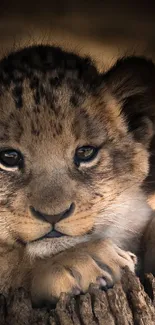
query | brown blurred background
(102,29)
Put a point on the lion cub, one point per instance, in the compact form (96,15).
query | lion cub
(74,150)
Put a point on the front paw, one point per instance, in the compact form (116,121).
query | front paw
(74,270)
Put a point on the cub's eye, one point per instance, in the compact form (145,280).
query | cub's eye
(11,158)
(85,154)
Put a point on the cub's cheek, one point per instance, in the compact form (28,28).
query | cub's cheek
(76,226)
(29,230)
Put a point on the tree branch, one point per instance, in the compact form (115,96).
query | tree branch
(127,303)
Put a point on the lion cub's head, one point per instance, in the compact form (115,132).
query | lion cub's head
(72,142)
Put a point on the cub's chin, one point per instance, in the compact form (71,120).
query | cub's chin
(51,245)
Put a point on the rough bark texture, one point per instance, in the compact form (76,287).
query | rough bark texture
(125,304)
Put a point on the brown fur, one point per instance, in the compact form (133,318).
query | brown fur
(52,102)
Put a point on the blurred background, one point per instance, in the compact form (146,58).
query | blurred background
(103,29)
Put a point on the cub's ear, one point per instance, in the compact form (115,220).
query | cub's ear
(131,81)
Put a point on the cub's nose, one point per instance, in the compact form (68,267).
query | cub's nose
(53,218)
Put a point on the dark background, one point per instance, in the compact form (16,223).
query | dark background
(103,29)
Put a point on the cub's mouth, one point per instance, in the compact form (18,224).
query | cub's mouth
(56,230)
(53,220)
(52,234)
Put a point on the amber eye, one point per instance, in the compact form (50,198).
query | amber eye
(85,154)
(11,158)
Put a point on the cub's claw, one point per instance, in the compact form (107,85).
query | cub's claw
(75,269)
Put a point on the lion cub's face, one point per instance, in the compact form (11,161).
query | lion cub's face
(66,153)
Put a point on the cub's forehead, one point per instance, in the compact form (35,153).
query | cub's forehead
(46,63)
(42,92)
(41,72)
(47,112)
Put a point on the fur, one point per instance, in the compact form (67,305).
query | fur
(52,102)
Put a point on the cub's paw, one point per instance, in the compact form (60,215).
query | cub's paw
(73,271)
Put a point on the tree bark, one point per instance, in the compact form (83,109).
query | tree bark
(127,303)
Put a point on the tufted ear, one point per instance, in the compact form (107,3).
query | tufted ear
(132,83)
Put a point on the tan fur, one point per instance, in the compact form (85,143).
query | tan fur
(109,201)
(73,271)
